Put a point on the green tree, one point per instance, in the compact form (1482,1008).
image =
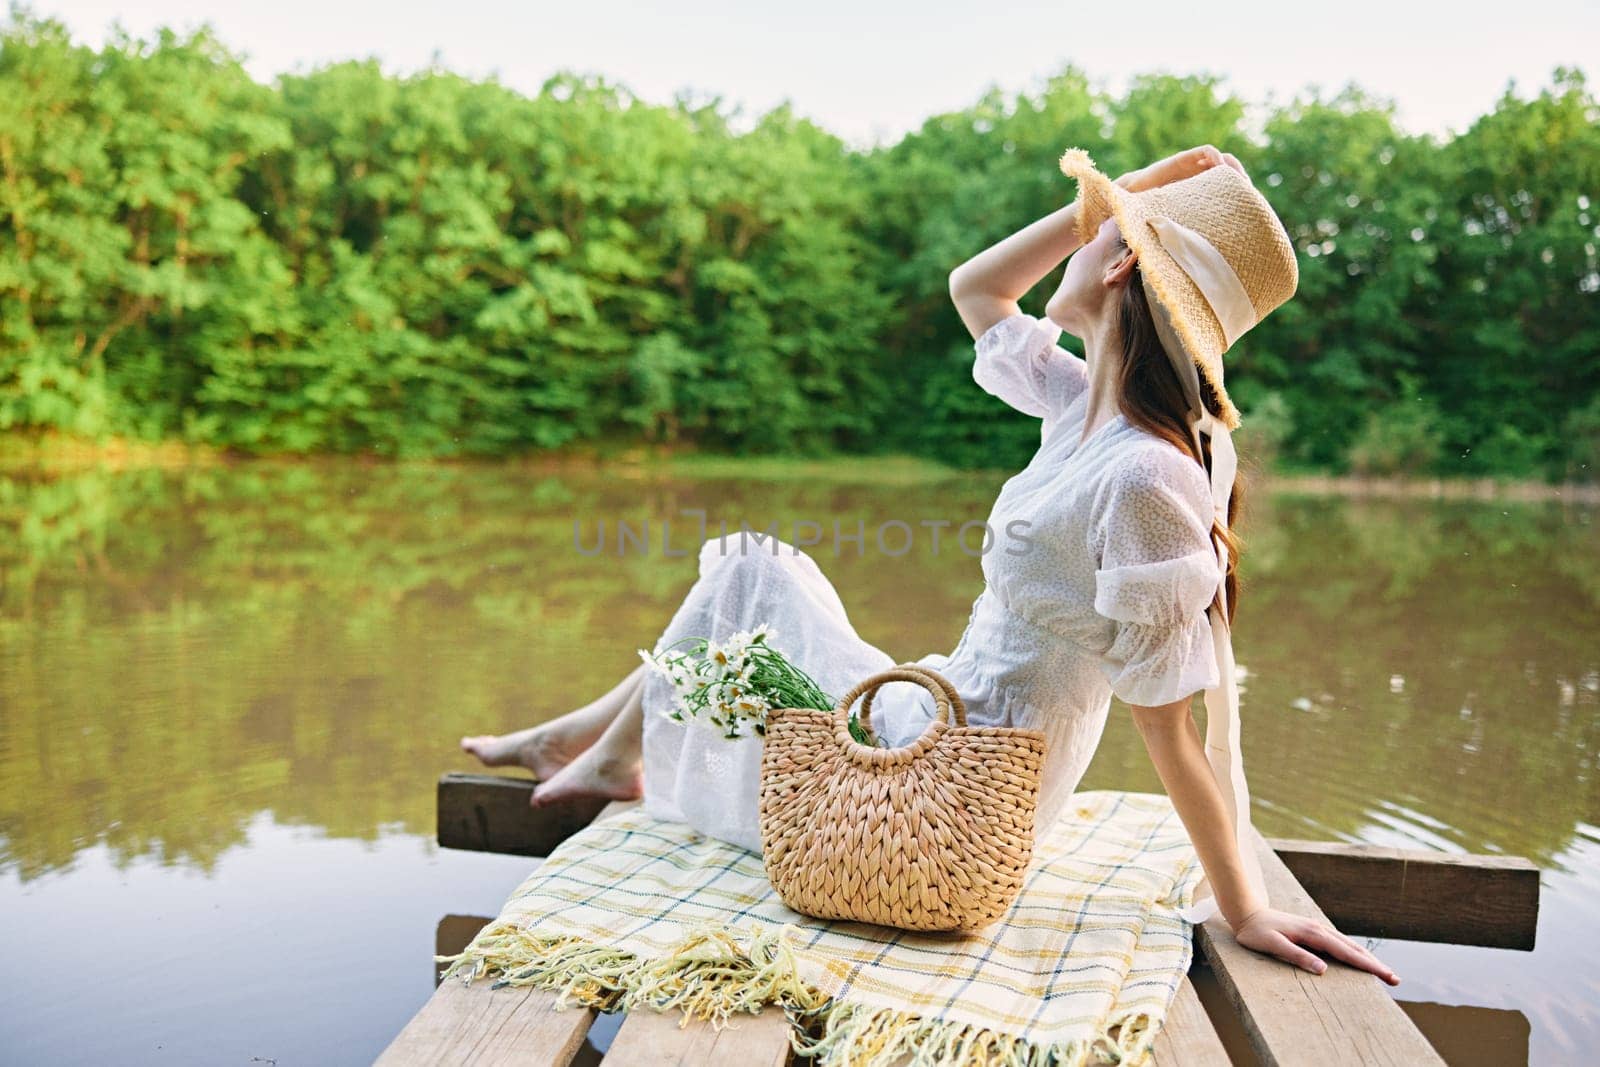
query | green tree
(430,265)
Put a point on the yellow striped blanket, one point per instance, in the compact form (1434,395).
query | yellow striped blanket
(634,911)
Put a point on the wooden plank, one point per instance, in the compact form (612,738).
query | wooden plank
(1187,1038)
(1294,1017)
(760,1040)
(477,1025)
(490,813)
(1365,890)
(1420,895)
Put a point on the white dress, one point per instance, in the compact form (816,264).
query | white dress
(1108,598)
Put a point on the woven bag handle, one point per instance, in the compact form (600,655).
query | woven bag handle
(958,706)
(948,711)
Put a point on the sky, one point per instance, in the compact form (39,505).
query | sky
(871,71)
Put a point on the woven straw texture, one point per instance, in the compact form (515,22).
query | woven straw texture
(1225,207)
(936,835)
(638,913)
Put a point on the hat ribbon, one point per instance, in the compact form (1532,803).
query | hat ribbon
(1209,270)
(1222,700)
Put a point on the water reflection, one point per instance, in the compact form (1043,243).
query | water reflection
(183,654)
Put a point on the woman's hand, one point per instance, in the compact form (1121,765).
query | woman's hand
(1278,933)
(1175,168)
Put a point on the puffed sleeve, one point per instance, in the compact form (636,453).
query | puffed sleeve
(1157,575)
(1019,361)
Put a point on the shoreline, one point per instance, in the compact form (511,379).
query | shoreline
(1430,487)
(54,455)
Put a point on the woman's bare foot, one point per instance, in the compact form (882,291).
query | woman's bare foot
(548,747)
(598,772)
(543,749)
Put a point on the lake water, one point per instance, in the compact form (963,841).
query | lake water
(226,692)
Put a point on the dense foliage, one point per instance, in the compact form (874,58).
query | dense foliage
(427,265)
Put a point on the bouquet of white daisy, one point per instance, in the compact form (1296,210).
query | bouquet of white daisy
(733,684)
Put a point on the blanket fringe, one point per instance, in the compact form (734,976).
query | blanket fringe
(711,976)
(861,1034)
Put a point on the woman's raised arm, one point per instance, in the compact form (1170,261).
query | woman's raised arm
(986,287)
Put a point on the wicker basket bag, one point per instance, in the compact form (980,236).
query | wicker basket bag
(936,835)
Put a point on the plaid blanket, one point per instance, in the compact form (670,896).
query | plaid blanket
(635,911)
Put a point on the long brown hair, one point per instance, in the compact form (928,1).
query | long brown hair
(1153,398)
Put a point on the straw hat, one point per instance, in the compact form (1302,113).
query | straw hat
(1214,257)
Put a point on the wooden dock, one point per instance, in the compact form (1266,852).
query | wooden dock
(1289,1016)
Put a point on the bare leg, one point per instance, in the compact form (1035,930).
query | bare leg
(547,748)
(608,768)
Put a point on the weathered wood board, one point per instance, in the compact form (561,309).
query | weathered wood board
(1298,1019)
(1374,891)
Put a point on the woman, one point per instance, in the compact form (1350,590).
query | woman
(1127,586)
